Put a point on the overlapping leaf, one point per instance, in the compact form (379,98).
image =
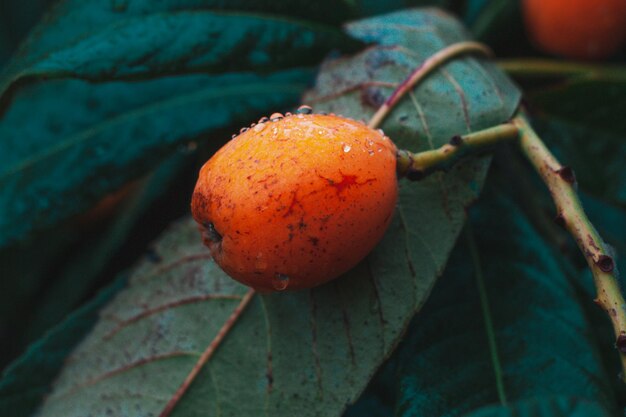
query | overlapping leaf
(549,359)
(305,353)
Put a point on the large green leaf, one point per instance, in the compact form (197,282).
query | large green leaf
(55,165)
(548,356)
(309,352)
(98,41)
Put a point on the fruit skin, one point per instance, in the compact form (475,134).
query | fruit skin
(298,201)
(579,29)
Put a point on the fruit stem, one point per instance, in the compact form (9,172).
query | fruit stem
(417,165)
(561,182)
(537,68)
(422,71)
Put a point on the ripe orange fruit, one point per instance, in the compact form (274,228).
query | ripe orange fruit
(580,29)
(295,201)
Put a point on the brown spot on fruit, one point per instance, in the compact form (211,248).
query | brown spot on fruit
(321,171)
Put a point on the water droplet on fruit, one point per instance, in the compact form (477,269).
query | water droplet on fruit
(280,281)
(304,109)
(259,127)
(263,119)
(346,148)
(243,129)
(276,116)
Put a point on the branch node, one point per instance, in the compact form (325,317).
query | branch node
(456,140)
(567,174)
(605,263)
(620,343)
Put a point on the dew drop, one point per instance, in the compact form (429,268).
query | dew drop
(371,152)
(346,148)
(233,136)
(287,114)
(259,127)
(243,129)
(304,109)
(264,119)
(280,281)
(276,116)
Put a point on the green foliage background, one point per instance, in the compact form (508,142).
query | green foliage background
(554,349)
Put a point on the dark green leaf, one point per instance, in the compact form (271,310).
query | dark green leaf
(78,277)
(17,17)
(118,40)
(556,406)
(309,352)
(179,42)
(545,343)
(25,382)
(595,101)
(24,269)
(491,21)
(583,121)
(54,166)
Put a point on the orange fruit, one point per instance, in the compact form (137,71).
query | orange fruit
(579,29)
(295,201)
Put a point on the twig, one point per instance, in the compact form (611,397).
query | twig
(427,66)
(415,166)
(562,185)
(559,179)
(206,355)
